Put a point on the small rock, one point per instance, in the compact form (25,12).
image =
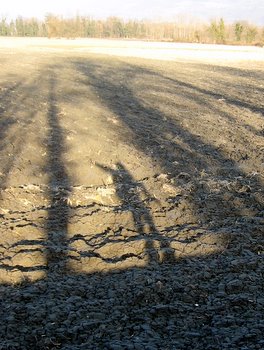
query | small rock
(234,286)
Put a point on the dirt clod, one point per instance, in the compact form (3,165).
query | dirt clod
(131,203)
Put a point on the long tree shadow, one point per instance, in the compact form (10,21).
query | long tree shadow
(147,128)
(50,252)
(59,188)
(16,123)
(205,302)
(193,92)
(206,92)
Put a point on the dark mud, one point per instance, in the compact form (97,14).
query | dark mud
(131,208)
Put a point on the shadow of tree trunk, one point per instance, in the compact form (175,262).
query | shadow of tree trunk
(147,128)
(59,188)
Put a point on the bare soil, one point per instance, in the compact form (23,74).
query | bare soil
(131,203)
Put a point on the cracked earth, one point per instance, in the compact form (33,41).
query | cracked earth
(131,204)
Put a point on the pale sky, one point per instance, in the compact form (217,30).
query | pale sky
(230,10)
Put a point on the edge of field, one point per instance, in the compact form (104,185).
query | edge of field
(220,54)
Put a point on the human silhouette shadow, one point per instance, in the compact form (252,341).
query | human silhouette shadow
(170,144)
(130,191)
(175,307)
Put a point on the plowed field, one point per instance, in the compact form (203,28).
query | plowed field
(131,203)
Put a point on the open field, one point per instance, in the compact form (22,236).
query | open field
(220,54)
(131,203)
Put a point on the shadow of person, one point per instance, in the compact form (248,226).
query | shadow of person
(131,194)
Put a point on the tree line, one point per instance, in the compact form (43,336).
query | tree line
(217,31)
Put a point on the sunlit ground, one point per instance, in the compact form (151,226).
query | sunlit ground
(112,162)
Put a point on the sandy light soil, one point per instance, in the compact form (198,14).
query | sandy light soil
(131,204)
(144,49)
